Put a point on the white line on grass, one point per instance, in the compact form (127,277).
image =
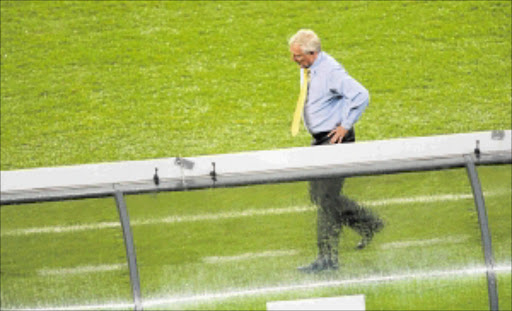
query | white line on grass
(166,220)
(249,256)
(226,215)
(421,199)
(82,269)
(405,244)
(62,229)
(231,215)
(166,301)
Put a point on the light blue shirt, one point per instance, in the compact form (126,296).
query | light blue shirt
(334,98)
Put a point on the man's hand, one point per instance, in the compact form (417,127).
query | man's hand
(337,134)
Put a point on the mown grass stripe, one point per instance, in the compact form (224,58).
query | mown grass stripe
(239,214)
(243,257)
(460,272)
(250,256)
(205,297)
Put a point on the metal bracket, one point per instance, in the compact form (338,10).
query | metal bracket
(497,135)
(156,179)
(477,150)
(184,163)
(213,174)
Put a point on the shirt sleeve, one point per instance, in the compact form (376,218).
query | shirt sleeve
(351,116)
(354,95)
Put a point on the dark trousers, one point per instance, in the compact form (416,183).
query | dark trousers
(335,209)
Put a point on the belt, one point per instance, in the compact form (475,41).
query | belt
(321,137)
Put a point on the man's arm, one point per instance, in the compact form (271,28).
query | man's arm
(356,99)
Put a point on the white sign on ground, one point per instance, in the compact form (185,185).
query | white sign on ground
(355,302)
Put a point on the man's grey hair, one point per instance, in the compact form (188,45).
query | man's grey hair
(307,40)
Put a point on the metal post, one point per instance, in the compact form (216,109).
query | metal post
(130,249)
(492,286)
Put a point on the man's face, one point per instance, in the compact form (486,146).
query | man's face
(304,60)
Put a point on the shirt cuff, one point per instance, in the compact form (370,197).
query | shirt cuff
(347,125)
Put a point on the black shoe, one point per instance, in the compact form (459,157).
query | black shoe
(320,264)
(368,236)
(364,241)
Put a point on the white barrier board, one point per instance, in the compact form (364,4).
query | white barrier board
(355,302)
(249,167)
(255,161)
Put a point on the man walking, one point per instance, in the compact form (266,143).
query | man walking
(331,102)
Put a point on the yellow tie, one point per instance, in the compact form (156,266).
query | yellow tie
(300,103)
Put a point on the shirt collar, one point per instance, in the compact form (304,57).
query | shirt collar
(317,62)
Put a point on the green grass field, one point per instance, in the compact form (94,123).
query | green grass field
(90,82)
(86,82)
